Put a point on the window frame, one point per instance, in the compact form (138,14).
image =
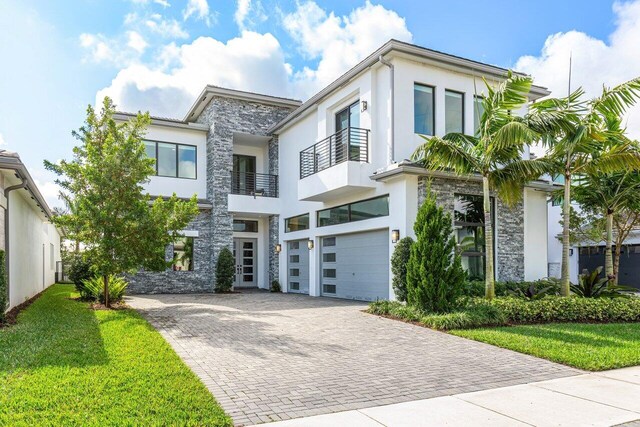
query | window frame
(193,253)
(246,221)
(462,100)
(433,101)
(308,215)
(177,145)
(349,216)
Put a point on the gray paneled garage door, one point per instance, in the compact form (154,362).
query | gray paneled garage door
(298,266)
(355,266)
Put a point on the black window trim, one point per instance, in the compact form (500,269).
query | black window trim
(177,144)
(433,97)
(347,108)
(245,221)
(348,205)
(464,96)
(308,214)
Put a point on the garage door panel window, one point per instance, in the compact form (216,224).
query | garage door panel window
(294,258)
(294,245)
(328,288)
(329,273)
(295,286)
(330,257)
(357,211)
(470,233)
(294,272)
(296,223)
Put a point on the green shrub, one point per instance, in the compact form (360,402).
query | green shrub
(591,285)
(399,261)
(475,288)
(79,272)
(3,288)
(435,278)
(225,271)
(275,286)
(94,288)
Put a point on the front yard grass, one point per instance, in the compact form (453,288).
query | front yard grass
(592,347)
(64,364)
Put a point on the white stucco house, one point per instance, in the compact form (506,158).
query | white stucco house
(30,241)
(316,194)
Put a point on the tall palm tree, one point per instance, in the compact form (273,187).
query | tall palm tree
(495,153)
(580,141)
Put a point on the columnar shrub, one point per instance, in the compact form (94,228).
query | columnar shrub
(399,261)
(3,287)
(275,286)
(79,272)
(435,277)
(225,271)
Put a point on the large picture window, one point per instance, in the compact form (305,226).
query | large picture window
(470,233)
(423,109)
(183,254)
(357,211)
(172,160)
(453,112)
(296,223)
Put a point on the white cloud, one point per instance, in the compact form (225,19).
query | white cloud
(136,41)
(167,28)
(50,191)
(339,42)
(170,90)
(248,13)
(163,3)
(119,51)
(594,62)
(199,9)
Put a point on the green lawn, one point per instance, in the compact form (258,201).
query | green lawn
(593,347)
(64,364)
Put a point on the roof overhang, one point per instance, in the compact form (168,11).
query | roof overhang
(163,121)
(212,91)
(405,50)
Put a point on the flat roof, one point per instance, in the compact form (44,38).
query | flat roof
(163,121)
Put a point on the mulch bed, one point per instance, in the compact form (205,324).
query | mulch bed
(114,306)
(11,318)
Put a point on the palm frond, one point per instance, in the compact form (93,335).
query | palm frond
(617,100)
(454,152)
(515,133)
(508,181)
(617,159)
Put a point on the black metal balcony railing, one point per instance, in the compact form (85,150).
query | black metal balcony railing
(254,184)
(348,144)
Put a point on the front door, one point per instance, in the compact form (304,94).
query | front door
(244,251)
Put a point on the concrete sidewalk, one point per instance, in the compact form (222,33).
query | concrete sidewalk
(596,399)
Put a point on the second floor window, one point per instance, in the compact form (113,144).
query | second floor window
(423,109)
(173,160)
(478,111)
(453,112)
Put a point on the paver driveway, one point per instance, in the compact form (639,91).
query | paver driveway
(268,357)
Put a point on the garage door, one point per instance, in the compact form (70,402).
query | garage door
(629,271)
(298,267)
(355,266)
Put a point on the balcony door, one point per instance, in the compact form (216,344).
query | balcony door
(344,143)
(244,174)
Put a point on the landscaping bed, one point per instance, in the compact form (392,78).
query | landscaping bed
(66,364)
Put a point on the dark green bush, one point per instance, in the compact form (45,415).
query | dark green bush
(275,286)
(435,277)
(79,272)
(3,288)
(225,271)
(591,285)
(475,288)
(399,261)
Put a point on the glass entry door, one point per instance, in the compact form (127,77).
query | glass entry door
(345,119)
(244,174)
(244,251)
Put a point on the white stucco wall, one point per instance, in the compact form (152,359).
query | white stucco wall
(535,236)
(30,249)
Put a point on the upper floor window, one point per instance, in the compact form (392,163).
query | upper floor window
(356,211)
(478,111)
(423,109)
(173,160)
(296,223)
(453,112)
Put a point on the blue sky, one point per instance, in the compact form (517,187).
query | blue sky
(57,57)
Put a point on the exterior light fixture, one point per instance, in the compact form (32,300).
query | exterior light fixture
(395,236)
(278,248)
(363,106)
(310,244)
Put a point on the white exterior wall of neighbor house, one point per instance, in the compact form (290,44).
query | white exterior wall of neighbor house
(34,249)
(373,87)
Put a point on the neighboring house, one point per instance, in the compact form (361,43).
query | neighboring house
(30,241)
(317,194)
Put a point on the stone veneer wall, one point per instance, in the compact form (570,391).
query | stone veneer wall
(224,117)
(200,280)
(509,222)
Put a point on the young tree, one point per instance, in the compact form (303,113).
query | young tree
(435,277)
(579,141)
(121,228)
(495,153)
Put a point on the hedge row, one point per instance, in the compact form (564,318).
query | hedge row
(509,310)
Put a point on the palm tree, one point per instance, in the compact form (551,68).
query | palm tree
(495,153)
(580,141)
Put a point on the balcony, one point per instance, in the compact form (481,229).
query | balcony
(254,184)
(350,144)
(335,166)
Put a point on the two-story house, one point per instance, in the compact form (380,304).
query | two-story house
(317,194)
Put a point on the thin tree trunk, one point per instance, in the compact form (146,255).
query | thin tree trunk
(105,279)
(490,290)
(616,263)
(566,211)
(608,256)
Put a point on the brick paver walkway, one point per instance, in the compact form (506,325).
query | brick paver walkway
(268,357)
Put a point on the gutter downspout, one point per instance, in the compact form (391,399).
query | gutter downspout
(7,190)
(393,105)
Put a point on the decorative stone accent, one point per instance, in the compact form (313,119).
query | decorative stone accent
(274,258)
(200,280)
(509,222)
